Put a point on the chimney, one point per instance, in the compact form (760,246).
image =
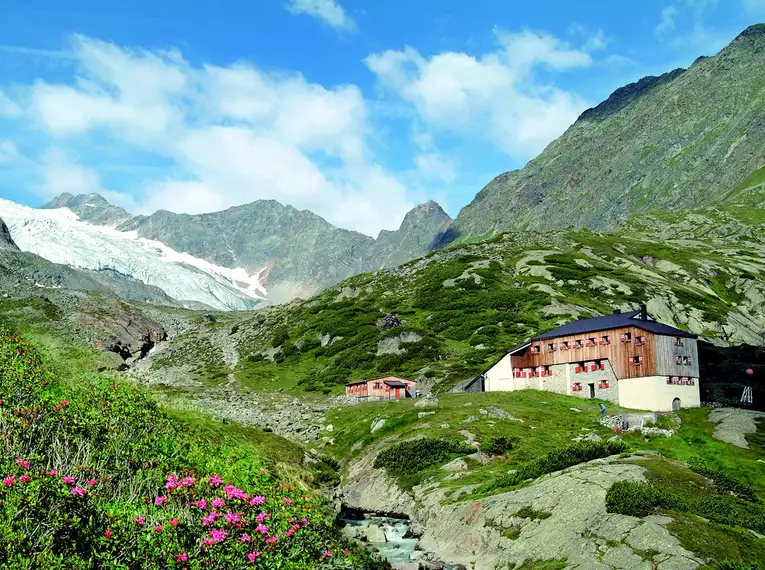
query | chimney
(643,312)
(617,311)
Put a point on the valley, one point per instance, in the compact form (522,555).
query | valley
(172,386)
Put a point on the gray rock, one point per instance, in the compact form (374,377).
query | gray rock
(576,410)
(330,427)
(469,436)
(499,413)
(466,404)
(375,534)
(456,465)
(469,420)
(592,437)
(377,424)
(424,425)
(445,426)
(423,414)
(426,402)
(615,438)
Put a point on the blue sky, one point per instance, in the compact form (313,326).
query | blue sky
(357,110)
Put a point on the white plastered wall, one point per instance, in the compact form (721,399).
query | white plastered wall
(654,394)
(499,378)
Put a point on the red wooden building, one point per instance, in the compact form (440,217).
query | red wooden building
(384,388)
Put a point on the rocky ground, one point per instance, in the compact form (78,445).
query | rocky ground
(733,424)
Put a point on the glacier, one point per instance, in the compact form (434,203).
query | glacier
(59,236)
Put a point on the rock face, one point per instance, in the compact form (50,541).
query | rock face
(91,208)
(633,148)
(5,236)
(733,424)
(578,529)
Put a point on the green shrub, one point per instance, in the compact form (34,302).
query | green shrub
(556,460)
(95,475)
(636,499)
(496,445)
(412,457)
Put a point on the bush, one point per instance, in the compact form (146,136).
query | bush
(631,498)
(95,475)
(558,459)
(496,445)
(410,457)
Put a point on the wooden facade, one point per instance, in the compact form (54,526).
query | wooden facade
(632,352)
(384,388)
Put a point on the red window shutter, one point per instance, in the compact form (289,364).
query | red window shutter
(690,361)
(602,365)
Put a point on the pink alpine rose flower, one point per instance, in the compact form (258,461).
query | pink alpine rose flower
(52,473)
(181,557)
(159,501)
(253,556)
(78,491)
(215,481)
(25,478)
(288,500)
(174,523)
(8,481)
(23,462)
(140,521)
(69,479)
(259,500)
(245,538)
(92,482)
(218,503)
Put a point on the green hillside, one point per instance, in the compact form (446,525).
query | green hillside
(679,141)
(460,308)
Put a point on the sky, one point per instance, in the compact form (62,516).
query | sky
(357,110)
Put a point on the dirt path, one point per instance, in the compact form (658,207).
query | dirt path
(733,424)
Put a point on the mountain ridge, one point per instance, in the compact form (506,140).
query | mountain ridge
(680,140)
(303,252)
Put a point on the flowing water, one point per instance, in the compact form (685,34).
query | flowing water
(388,537)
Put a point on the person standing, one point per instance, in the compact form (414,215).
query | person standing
(602,410)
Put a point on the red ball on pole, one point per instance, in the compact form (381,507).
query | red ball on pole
(750,372)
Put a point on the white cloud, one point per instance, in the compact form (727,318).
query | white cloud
(232,134)
(495,94)
(328,11)
(9,108)
(667,23)
(433,166)
(62,175)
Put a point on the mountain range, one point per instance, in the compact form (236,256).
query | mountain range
(687,139)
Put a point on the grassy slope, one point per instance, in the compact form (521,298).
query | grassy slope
(701,271)
(550,424)
(95,427)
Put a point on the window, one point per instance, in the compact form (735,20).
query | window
(578,367)
(679,341)
(377,385)
(577,344)
(606,339)
(604,384)
(564,346)
(636,360)
(576,387)
(592,341)
(678,360)
(535,349)
(551,347)
(625,337)
(639,340)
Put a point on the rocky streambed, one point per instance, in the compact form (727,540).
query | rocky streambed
(391,538)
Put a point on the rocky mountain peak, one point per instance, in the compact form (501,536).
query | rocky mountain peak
(5,236)
(92,208)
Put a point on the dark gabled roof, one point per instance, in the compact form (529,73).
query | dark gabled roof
(395,384)
(608,322)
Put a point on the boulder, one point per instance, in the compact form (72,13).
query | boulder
(499,413)
(427,402)
(469,420)
(456,465)
(423,414)
(377,424)
(592,437)
(375,534)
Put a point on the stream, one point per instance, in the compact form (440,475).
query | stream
(388,537)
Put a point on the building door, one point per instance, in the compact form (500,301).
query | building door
(592,390)
(676,404)
(398,393)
